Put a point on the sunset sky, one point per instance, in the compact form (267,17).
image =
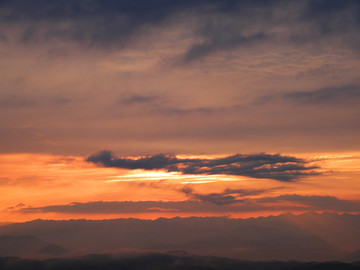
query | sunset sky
(159,108)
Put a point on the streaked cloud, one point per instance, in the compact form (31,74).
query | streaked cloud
(203,203)
(329,95)
(132,99)
(315,202)
(343,95)
(228,196)
(25,102)
(216,198)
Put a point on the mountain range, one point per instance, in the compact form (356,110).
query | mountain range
(306,237)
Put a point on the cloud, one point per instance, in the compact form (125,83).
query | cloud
(277,167)
(111,207)
(106,159)
(107,207)
(93,23)
(18,101)
(155,104)
(328,95)
(228,196)
(215,198)
(215,44)
(315,202)
(19,206)
(205,203)
(338,95)
(196,205)
(248,24)
(216,25)
(239,199)
(138,99)
(96,23)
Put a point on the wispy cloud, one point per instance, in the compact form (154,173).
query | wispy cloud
(329,95)
(335,95)
(315,202)
(133,99)
(220,43)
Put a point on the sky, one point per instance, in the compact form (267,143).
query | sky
(159,108)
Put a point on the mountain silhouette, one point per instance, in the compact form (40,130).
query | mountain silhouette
(27,246)
(303,237)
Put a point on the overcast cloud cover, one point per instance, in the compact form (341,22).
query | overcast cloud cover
(221,25)
(205,76)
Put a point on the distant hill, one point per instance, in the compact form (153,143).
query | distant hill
(304,237)
(155,261)
(352,257)
(27,246)
(52,250)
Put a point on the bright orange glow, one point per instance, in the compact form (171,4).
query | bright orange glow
(36,180)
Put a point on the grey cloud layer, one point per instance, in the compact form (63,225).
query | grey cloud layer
(330,95)
(315,202)
(335,95)
(218,25)
(239,197)
(204,203)
(277,167)
(342,95)
(227,197)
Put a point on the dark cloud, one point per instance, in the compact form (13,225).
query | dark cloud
(15,207)
(241,202)
(23,101)
(328,95)
(245,192)
(338,95)
(15,101)
(106,159)
(315,202)
(277,167)
(220,25)
(158,105)
(215,198)
(107,207)
(332,20)
(170,111)
(94,23)
(111,207)
(219,43)
(228,196)
(200,204)
(246,24)
(138,99)
(330,15)
(206,203)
